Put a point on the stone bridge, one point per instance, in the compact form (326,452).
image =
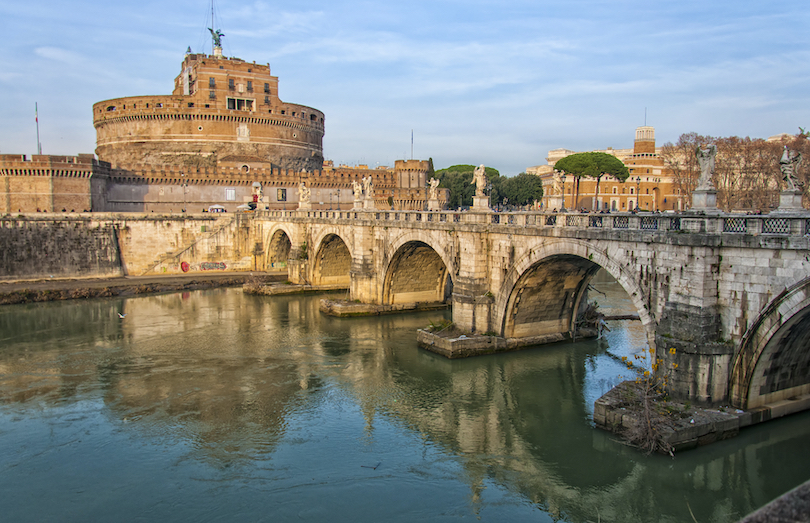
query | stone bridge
(730,293)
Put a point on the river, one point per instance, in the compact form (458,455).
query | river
(219,406)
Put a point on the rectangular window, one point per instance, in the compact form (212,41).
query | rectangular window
(267,88)
(240,104)
(230,195)
(231,84)
(250,85)
(212,83)
(267,100)
(281,195)
(212,95)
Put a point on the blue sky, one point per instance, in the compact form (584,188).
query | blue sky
(493,82)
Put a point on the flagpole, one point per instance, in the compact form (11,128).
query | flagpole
(36,117)
(411,144)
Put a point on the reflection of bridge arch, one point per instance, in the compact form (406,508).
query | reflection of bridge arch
(773,360)
(333,260)
(279,243)
(542,291)
(415,273)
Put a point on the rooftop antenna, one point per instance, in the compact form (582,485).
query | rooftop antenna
(36,117)
(411,144)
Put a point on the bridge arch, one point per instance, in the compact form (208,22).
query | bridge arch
(279,244)
(542,291)
(773,361)
(416,271)
(332,260)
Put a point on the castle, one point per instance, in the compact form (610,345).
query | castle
(223,137)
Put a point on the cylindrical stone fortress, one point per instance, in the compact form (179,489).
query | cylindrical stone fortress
(221,109)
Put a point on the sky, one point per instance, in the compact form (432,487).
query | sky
(496,82)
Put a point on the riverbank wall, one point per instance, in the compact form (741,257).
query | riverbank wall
(108,245)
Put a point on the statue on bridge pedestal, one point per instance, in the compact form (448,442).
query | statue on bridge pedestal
(368,192)
(357,191)
(705,159)
(704,197)
(433,192)
(304,194)
(480,180)
(433,195)
(788,163)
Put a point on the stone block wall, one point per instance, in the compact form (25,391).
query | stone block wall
(57,247)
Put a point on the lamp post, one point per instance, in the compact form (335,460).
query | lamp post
(562,177)
(489,188)
(638,193)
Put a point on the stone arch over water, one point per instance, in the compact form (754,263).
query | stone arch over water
(332,262)
(416,273)
(279,244)
(542,292)
(773,361)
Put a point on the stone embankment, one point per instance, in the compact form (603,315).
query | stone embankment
(12,292)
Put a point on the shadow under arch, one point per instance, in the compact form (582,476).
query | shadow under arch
(552,278)
(773,360)
(332,262)
(279,243)
(416,273)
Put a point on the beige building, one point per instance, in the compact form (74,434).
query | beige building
(650,186)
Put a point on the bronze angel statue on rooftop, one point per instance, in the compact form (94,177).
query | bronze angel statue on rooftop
(217,36)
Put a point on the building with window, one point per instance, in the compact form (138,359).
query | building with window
(650,186)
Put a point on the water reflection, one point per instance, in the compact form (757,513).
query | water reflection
(267,393)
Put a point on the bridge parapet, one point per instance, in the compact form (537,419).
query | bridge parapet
(792,225)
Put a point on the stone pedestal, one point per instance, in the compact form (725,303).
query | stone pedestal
(790,201)
(704,200)
(368,204)
(480,203)
(358,204)
(554,202)
(304,206)
(433,204)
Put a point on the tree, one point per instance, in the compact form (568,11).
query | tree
(594,165)
(523,189)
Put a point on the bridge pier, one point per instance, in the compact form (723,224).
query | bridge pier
(472,306)
(698,368)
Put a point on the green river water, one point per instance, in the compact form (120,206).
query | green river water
(218,406)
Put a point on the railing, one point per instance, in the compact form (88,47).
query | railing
(788,225)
